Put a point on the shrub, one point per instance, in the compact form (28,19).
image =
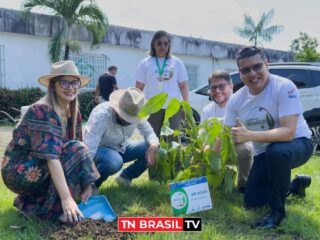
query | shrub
(86,101)
(177,162)
(15,99)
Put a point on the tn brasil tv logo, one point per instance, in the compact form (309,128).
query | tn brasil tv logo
(158,224)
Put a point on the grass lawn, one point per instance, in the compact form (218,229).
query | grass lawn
(227,219)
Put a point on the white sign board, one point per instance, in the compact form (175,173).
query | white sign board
(190,196)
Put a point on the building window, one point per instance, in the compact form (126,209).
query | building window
(193,74)
(2,68)
(92,65)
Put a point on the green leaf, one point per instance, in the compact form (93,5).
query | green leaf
(172,108)
(229,179)
(184,175)
(166,131)
(188,112)
(215,179)
(153,105)
(215,161)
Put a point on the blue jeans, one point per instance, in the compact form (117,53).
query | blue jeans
(110,161)
(269,178)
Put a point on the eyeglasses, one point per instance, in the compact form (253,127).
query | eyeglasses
(246,70)
(66,83)
(220,86)
(121,121)
(160,44)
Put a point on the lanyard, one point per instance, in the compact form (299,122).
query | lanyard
(161,70)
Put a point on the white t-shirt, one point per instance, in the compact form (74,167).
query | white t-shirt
(213,110)
(262,112)
(173,74)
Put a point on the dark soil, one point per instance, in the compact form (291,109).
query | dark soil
(95,229)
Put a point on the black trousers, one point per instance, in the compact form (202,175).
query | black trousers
(269,178)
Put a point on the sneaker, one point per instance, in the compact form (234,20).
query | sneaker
(272,220)
(298,185)
(123,181)
(242,190)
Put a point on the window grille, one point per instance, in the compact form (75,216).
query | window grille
(193,74)
(92,65)
(2,67)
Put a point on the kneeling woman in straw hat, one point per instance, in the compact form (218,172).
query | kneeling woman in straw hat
(45,163)
(110,126)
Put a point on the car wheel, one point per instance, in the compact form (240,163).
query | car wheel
(315,129)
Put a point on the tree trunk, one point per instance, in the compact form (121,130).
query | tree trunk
(66,52)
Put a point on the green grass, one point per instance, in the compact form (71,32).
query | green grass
(227,219)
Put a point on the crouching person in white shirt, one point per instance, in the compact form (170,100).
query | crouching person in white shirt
(221,88)
(107,134)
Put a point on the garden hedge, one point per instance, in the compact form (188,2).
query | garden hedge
(14,99)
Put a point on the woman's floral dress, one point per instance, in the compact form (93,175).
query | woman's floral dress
(36,140)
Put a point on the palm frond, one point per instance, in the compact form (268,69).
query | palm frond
(243,32)
(266,17)
(267,34)
(249,22)
(55,45)
(94,20)
(28,5)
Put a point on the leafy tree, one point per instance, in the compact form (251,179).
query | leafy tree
(304,48)
(84,13)
(254,32)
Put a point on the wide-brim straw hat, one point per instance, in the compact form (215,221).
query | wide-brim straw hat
(63,68)
(127,103)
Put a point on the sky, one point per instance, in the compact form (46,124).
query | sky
(210,19)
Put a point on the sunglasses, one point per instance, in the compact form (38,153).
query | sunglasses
(66,83)
(165,44)
(121,121)
(246,70)
(220,86)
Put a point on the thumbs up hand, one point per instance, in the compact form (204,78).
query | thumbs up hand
(239,123)
(240,133)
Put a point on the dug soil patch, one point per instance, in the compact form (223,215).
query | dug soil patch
(95,229)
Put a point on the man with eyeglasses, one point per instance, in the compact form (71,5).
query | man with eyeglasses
(268,112)
(221,88)
(107,133)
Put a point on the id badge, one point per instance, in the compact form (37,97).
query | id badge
(160,85)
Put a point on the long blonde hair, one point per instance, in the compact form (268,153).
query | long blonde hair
(51,99)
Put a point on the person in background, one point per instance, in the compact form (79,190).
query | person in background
(268,112)
(106,85)
(46,163)
(161,72)
(107,134)
(221,89)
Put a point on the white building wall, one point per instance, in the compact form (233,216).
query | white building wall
(26,59)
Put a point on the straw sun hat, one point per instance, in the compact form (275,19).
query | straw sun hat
(63,68)
(127,103)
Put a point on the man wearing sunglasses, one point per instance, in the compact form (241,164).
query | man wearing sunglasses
(109,128)
(268,112)
(221,88)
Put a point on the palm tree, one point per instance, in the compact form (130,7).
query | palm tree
(254,32)
(73,12)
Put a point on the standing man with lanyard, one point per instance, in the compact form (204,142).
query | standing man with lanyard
(162,73)
(106,85)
